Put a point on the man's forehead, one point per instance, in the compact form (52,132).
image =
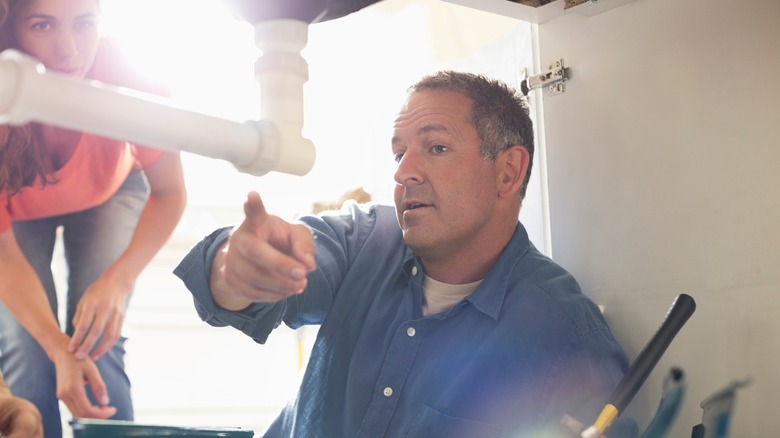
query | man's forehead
(427,128)
(433,113)
(431,103)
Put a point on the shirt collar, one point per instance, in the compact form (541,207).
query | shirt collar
(488,298)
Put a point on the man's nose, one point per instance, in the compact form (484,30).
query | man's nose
(409,169)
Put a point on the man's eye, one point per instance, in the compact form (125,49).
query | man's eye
(397,157)
(438,149)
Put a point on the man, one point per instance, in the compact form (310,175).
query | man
(18,417)
(449,325)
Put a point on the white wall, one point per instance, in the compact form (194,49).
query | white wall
(664,170)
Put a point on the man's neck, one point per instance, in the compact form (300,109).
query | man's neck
(461,267)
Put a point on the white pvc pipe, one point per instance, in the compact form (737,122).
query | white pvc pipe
(29,93)
(281,72)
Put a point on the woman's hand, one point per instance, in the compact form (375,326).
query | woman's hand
(99,317)
(72,376)
(101,311)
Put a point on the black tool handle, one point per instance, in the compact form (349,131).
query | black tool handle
(682,308)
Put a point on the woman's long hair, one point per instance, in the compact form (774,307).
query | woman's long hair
(23,157)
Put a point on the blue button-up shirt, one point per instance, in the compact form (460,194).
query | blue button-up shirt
(519,353)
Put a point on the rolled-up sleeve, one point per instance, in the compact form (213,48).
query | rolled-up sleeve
(256,321)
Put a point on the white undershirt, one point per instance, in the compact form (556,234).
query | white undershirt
(439,297)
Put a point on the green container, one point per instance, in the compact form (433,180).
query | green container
(120,429)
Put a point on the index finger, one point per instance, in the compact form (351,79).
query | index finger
(299,240)
(89,326)
(254,210)
(111,333)
(79,405)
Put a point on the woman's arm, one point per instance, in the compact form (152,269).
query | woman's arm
(23,294)
(101,311)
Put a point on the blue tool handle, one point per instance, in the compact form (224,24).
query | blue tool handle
(671,400)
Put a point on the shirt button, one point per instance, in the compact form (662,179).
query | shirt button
(411,331)
(414,270)
(388,391)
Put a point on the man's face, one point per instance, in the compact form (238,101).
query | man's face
(445,191)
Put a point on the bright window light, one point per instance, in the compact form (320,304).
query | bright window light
(199,49)
(359,68)
(206,56)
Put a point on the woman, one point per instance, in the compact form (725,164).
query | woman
(114,204)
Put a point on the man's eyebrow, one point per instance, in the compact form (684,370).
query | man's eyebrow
(436,127)
(433,127)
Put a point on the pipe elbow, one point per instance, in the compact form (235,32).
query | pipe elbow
(281,148)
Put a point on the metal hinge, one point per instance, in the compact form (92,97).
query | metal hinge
(554,79)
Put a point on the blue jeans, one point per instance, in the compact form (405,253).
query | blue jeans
(92,239)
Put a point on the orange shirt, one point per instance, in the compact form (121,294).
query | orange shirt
(98,166)
(91,176)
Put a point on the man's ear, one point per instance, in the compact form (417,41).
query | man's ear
(512,166)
